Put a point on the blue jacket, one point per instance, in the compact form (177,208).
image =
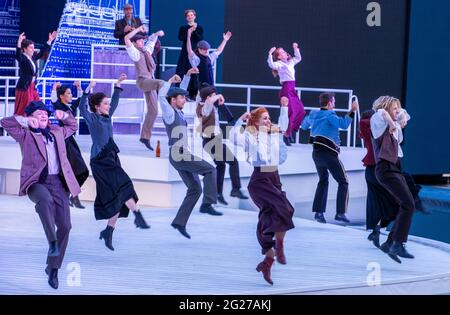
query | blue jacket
(326,123)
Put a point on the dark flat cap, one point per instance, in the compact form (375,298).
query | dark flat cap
(34,106)
(175,91)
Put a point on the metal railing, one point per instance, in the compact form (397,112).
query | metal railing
(247,106)
(163,64)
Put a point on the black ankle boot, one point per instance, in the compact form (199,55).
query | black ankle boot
(139,220)
(75,201)
(106,235)
(53,249)
(52,277)
(374,237)
(399,249)
(286,141)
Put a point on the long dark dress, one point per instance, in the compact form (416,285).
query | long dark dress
(114,186)
(183,64)
(74,156)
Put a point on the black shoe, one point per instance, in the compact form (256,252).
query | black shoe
(106,235)
(222,200)
(398,249)
(53,249)
(209,210)
(75,201)
(320,218)
(341,217)
(181,229)
(374,237)
(292,140)
(146,142)
(385,247)
(139,220)
(286,141)
(237,193)
(52,277)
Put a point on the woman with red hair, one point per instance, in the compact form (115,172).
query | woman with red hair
(265,150)
(282,65)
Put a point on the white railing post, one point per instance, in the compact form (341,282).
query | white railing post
(249,97)
(6,98)
(163,60)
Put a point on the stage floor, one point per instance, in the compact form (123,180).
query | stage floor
(219,259)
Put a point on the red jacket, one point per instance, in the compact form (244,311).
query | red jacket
(366,134)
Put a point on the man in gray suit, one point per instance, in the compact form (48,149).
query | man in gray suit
(172,101)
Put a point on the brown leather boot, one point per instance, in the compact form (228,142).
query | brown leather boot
(279,252)
(265,267)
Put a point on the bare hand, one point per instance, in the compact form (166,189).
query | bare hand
(295,46)
(33,122)
(52,36)
(175,79)
(128,28)
(392,129)
(122,78)
(59,114)
(190,30)
(91,86)
(272,50)
(403,123)
(193,71)
(221,99)
(77,84)
(56,85)
(284,101)
(227,36)
(160,33)
(355,106)
(245,117)
(22,37)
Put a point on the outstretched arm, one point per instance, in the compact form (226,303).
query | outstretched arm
(151,42)
(272,65)
(226,38)
(116,94)
(168,112)
(188,42)
(297,56)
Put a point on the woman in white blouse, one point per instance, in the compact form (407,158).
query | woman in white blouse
(265,150)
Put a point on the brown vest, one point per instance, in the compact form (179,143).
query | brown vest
(207,121)
(145,67)
(386,148)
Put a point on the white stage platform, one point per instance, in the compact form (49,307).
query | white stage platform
(158,184)
(219,259)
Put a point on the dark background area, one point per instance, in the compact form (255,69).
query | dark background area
(339,51)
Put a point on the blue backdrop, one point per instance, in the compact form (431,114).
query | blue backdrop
(427,147)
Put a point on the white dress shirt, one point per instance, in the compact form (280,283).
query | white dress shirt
(286,70)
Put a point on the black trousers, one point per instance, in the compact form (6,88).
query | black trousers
(327,161)
(222,156)
(391,177)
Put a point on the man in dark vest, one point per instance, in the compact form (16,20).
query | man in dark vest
(203,60)
(172,101)
(127,24)
(141,54)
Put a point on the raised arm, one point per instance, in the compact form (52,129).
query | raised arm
(14,126)
(19,54)
(46,48)
(168,112)
(68,123)
(151,42)
(273,65)
(130,35)
(226,38)
(189,44)
(54,93)
(116,94)
(236,135)
(297,56)
(83,106)
(187,78)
